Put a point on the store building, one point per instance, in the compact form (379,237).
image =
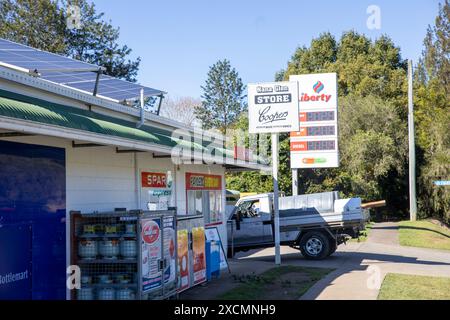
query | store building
(63,149)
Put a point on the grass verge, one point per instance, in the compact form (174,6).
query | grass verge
(424,234)
(411,287)
(282,283)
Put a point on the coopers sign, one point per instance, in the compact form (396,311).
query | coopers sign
(273,107)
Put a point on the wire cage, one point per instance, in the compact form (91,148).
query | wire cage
(107,249)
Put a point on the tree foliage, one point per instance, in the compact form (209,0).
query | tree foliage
(223,97)
(42,24)
(372,120)
(432,115)
(39,24)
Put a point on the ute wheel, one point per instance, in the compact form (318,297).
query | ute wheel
(315,245)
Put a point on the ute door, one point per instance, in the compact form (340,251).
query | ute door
(251,231)
(266,216)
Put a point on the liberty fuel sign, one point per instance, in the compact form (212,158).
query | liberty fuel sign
(315,145)
(273,107)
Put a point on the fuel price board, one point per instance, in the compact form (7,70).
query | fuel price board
(315,145)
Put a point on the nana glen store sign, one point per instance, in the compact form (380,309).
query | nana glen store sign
(273,107)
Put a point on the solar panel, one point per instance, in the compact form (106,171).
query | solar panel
(39,61)
(108,86)
(70,72)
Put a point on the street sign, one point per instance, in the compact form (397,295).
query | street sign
(273,107)
(442,183)
(315,144)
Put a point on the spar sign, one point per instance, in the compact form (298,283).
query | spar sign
(273,107)
(315,144)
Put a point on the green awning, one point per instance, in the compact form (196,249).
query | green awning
(23,107)
(27,108)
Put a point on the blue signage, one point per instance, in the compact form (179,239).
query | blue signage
(33,191)
(15,262)
(442,183)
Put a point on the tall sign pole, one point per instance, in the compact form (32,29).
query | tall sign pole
(273,108)
(294,182)
(412,147)
(276,211)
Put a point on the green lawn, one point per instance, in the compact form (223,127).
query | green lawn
(410,287)
(423,234)
(281,283)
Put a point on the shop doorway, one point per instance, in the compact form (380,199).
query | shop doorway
(32,204)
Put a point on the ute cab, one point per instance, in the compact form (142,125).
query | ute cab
(250,223)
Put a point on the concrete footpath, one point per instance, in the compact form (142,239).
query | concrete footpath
(364,266)
(359,267)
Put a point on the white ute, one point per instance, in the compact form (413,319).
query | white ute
(315,223)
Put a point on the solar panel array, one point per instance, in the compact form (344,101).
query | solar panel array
(36,60)
(108,86)
(70,72)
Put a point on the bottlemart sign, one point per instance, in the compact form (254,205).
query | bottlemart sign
(315,144)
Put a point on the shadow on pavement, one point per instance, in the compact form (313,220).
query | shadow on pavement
(423,229)
(342,262)
(354,257)
(385,228)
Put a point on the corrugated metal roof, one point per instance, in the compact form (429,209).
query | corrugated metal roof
(32,109)
(23,107)
(27,108)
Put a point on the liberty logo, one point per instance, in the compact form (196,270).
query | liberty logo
(318,87)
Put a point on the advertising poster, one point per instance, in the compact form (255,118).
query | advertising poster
(198,252)
(183,259)
(151,254)
(169,249)
(212,234)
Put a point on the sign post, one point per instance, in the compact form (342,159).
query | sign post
(276,212)
(294,182)
(412,147)
(273,108)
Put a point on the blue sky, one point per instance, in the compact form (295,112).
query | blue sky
(179,40)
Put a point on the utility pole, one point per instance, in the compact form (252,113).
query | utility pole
(276,197)
(412,147)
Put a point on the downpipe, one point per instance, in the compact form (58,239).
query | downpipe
(142,112)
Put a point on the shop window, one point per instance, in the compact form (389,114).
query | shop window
(207,203)
(206,199)
(204,196)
